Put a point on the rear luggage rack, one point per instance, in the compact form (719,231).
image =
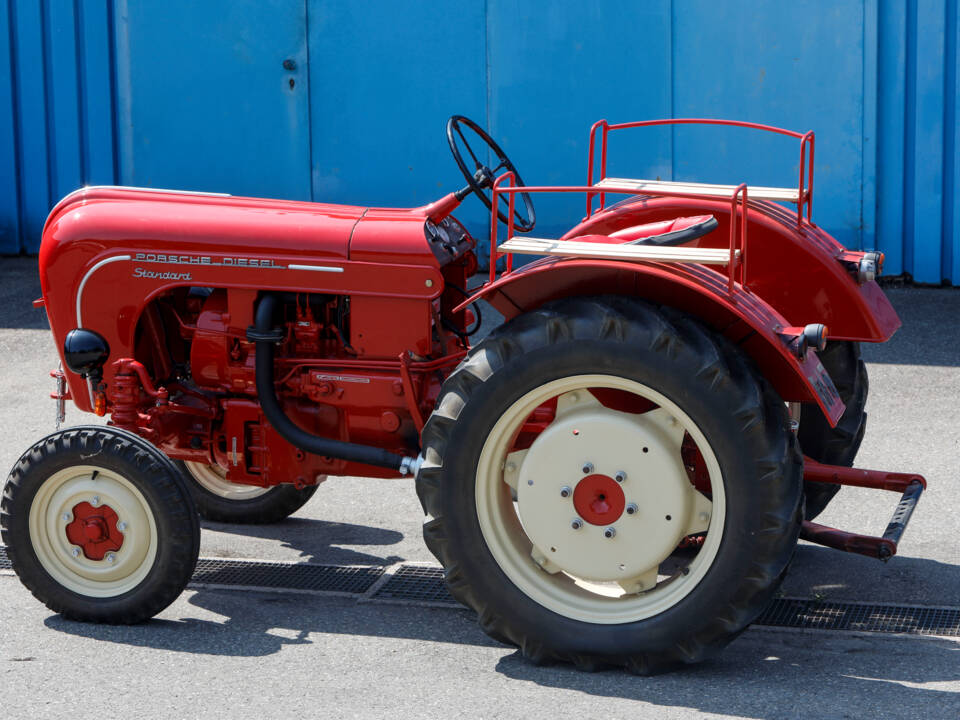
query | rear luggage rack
(883,547)
(791,195)
(617,250)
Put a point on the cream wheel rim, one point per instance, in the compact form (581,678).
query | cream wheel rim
(52,510)
(527,513)
(214,479)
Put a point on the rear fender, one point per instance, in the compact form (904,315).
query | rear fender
(742,317)
(800,270)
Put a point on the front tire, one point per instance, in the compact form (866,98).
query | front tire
(220,500)
(703,548)
(99,525)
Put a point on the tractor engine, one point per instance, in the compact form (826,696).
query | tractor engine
(200,345)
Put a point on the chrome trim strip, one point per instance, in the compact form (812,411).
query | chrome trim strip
(316,268)
(86,277)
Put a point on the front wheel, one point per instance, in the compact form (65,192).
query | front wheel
(99,525)
(610,483)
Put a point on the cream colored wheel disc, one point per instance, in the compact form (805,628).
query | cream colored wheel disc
(584,519)
(214,479)
(52,511)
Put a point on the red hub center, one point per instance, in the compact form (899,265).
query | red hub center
(94,530)
(599,499)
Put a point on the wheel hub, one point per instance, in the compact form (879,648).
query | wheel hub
(599,500)
(94,530)
(642,452)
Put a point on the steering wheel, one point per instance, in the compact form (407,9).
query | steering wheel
(481,177)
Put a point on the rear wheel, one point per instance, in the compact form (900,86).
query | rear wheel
(608,483)
(99,525)
(835,445)
(220,500)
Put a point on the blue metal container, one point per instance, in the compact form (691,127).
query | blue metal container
(345,102)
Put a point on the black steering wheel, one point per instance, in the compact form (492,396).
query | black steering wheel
(481,177)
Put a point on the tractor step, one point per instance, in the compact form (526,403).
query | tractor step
(884,547)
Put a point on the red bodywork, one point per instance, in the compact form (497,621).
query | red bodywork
(377,312)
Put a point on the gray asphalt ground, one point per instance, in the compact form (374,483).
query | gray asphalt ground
(229,653)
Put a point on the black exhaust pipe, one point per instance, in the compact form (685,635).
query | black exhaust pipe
(265,335)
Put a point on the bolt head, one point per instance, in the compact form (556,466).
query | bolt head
(620,476)
(75,552)
(428,283)
(95,501)
(632,509)
(121,526)
(576,524)
(565,491)
(111,558)
(609,532)
(587,468)
(530,481)
(66,517)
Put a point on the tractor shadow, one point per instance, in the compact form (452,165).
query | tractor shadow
(766,672)
(317,541)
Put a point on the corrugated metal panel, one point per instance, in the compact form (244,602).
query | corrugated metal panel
(195,95)
(56,109)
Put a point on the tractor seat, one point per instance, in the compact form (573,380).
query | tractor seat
(664,232)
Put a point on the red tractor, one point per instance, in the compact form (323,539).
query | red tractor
(618,474)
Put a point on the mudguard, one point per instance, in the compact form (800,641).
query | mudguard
(743,317)
(798,269)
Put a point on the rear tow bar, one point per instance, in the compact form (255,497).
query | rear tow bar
(885,547)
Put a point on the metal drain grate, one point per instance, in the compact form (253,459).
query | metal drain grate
(790,612)
(418,584)
(285,576)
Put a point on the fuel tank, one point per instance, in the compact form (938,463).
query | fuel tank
(106,252)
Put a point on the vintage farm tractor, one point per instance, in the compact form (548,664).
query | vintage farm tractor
(616,475)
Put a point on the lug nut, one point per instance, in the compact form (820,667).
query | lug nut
(66,517)
(121,526)
(576,524)
(565,491)
(587,468)
(75,552)
(620,476)
(111,558)
(632,509)
(95,501)
(609,532)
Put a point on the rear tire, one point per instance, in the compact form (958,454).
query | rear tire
(99,525)
(219,500)
(556,603)
(835,445)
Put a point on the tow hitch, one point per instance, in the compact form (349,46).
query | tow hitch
(884,547)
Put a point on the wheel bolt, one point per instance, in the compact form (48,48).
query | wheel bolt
(75,552)
(632,509)
(565,491)
(620,476)
(111,558)
(587,468)
(609,532)
(66,517)
(121,526)
(576,524)
(95,501)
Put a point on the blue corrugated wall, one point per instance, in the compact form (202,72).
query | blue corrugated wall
(198,95)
